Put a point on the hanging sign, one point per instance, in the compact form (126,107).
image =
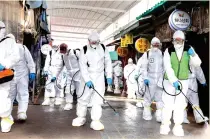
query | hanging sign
(122,52)
(179,20)
(142,45)
(45,49)
(123,42)
(129,38)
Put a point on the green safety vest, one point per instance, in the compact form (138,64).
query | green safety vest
(181,68)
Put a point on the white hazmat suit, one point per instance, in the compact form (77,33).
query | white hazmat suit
(152,70)
(19,86)
(196,73)
(118,73)
(73,76)
(129,75)
(59,86)
(95,62)
(141,86)
(9,56)
(53,66)
(176,62)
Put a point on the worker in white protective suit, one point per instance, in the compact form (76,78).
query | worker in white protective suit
(118,73)
(73,76)
(196,73)
(95,62)
(9,56)
(59,86)
(152,72)
(140,82)
(53,65)
(24,72)
(129,75)
(176,62)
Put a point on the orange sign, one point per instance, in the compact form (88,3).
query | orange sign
(142,45)
(122,52)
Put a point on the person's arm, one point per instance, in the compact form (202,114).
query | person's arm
(138,67)
(144,65)
(168,67)
(29,60)
(83,66)
(195,60)
(12,54)
(47,62)
(108,64)
(200,75)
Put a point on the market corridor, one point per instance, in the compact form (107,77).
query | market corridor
(128,124)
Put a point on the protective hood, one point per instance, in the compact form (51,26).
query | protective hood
(11,36)
(130,61)
(94,39)
(156,44)
(2,30)
(179,35)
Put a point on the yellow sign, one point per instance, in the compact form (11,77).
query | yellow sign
(142,45)
(123,42)
(122,52)
(129,38)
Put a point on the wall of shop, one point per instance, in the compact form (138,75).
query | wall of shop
(10,14)
(128,17)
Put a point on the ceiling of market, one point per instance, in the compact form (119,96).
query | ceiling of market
(73,20)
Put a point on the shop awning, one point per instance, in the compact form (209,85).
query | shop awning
(151,10)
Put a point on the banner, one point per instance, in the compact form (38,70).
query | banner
(142,45)
(123,42)
(129,38)
(122,52)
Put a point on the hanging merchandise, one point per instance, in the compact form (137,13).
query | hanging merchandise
(123,42)
(179,20)
(122,52)
(164,32)
(129,39)
(45,49)
(142,45)
(205,19)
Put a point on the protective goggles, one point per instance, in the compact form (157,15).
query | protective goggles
(156,45)
(178,41)
(94,42)
(2,28)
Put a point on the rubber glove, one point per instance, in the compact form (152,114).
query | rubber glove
(53,79)
(89,84)
(204,84)
(176,85)
(191,52)
(32,76)
(45,74)
(1,67)
(109,81)
(146,82)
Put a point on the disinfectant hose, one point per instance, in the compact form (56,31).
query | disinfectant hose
(205,120)
(104,100)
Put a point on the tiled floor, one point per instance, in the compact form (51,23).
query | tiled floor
(54,123)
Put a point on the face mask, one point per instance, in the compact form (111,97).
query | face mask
(93,46)
(155,48)
(178,46)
